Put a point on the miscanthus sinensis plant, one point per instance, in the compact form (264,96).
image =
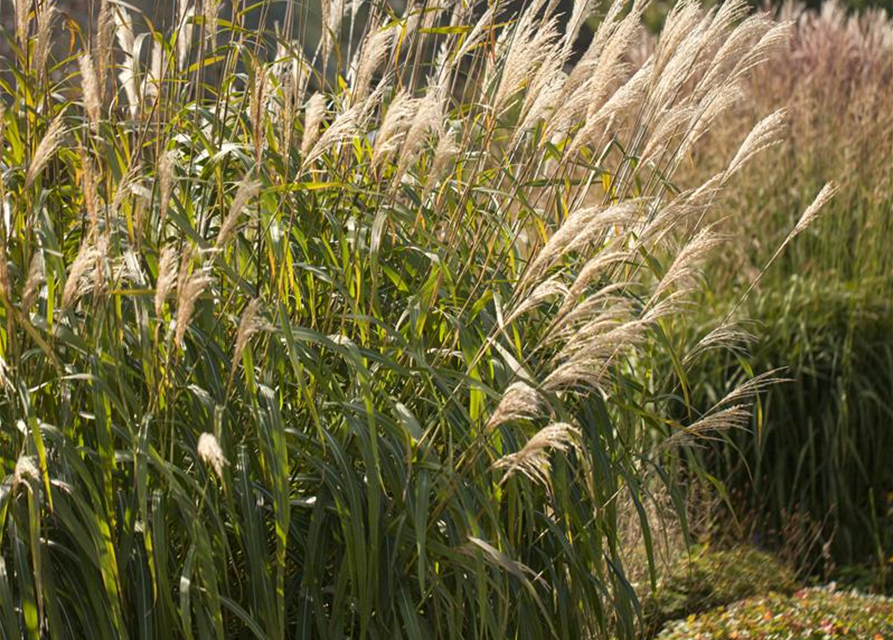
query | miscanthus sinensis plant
(354,338)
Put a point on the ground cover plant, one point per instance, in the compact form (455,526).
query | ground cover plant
(707,578)
(810,614)
(362,341)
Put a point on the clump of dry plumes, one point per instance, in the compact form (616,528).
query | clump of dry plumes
(417,283)
(834,79)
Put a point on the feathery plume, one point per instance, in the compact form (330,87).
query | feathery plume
(393,128)
(189,294)
(210,15)
(105,37)
(33,281)
(23,19)
(248,189)
(343,128)
(90,86)
(167,277)
(91,197)
(85,260)
(768,132)
(166,181)
(734,417)
(728,336)
(314,114)
(43,42)
(369,58)
(211,454)
(427,117)
(812,212)
(519,402)
(543,291)
(533,460)
(250,323)
(446,151)
(685,265)
(47,147)
(26,469)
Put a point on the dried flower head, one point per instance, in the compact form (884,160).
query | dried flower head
(26,469)
(211,454)
(167,277)
(533,459)
(47,147)
(189,294)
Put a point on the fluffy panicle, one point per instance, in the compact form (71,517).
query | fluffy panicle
(474,37)
(210,14)
(582,227)
(531,45)
(348,124)
(23,19)
(394,126)
(444,155)
(728,336)
(519,402)
(167,277)
(258,108)
(314,114)
(595,267)
(90,86)
(592,351)
(533,460)
(332,16)
(750,389)
(188,295)
(604,307)
(768,132)
(46,18)
(86,259)
(774,41)
(211,454)
(47,147)
(736,45)
(545,290)
(369,58)
(427,118)
(33,281)
(812,212)
(248,189)
(250,323)
(734,417)
(687,262)
(105,38)
(165,181)
(91,197)
(26,469)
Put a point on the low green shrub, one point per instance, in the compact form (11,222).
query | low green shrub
(810,614)
(708,578)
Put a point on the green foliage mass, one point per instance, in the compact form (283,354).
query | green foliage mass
(708,578)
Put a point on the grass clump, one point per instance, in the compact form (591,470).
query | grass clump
(707,578)
(310,341)
(810,614)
